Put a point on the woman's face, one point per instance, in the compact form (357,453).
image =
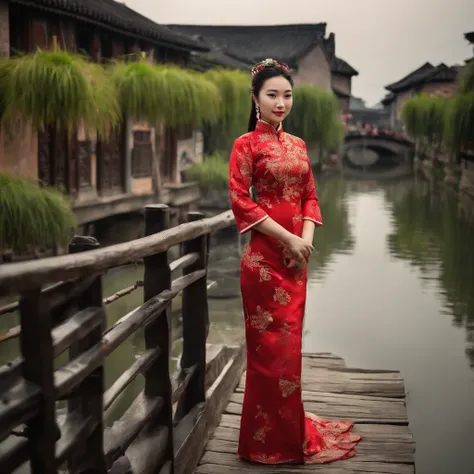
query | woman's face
(275,100)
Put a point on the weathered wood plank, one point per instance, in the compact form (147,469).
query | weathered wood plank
(229,431)
(13,453)
(194,430)
(138,367)
(124,431)
(390,452)
(17,277)
(373,399)
(225,462)
(351,409)
(18,404)
(75,328)
(335,381)
(76,430)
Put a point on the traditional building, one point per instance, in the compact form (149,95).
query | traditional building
(303,47)
(427,79)
(102,178)
(470,37)
(341,74)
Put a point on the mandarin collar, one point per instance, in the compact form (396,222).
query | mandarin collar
(265,127)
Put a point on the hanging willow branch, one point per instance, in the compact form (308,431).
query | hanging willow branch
(315,117)
(156,93)
(32,216)
(59,89)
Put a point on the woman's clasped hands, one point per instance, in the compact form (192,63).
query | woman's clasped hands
(300,250)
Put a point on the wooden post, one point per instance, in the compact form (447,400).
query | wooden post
(37,350)
(90,401)
(195,324)
(158,334)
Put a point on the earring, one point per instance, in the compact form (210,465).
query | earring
(258,112)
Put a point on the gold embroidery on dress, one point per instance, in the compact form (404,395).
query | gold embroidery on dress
(261,433)
(261,319)
(285,332)
(281,296)
(287,387)
(252,261)
(297,218)
(265,274)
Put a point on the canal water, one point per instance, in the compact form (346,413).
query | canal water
(391,286)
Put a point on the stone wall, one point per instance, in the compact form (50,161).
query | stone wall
(342,83)
(4,30)
(314,69)
(445,89)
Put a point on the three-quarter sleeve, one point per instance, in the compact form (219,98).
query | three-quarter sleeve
(309,200)
(247,213)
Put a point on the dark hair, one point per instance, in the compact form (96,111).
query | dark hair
(257,82)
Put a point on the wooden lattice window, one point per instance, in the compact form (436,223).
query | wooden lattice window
(142,154)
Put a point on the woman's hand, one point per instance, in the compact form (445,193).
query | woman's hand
(300,250)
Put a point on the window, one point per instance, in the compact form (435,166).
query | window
(142,154)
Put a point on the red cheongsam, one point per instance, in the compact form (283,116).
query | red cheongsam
(274,427)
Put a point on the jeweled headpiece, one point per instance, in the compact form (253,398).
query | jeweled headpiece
(268,63)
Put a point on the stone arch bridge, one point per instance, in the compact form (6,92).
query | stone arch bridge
(376,151)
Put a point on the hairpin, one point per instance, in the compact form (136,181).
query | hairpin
(268,63)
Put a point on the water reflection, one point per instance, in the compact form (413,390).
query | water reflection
(335,236)
(429,234)
(390,286)
(401,298)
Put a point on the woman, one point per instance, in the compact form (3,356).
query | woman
(282,219)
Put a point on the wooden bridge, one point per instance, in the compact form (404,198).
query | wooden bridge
(181,423)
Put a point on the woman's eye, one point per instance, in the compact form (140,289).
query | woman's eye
(272,95)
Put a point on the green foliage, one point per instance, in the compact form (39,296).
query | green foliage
(235,100)
(315,117)
(57,88)
(425,117)
(32,216)
(211,173)
(466,79)
(459,133)
(164,93)
(450,121)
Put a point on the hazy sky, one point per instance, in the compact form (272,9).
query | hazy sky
(384,40)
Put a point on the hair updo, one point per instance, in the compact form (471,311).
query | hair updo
(260,73)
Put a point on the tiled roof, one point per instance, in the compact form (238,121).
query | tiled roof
(216,57)
(338,65)
(115,15)
(408,80)
(424,75)
(388,99)
(286,43)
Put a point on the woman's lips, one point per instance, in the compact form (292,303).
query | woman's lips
(279,114)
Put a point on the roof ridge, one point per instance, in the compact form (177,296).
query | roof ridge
(116,15)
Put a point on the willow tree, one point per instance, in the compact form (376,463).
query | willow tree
(459,133)
(315,118)
(164,95)
(32,216)
(56,89)
(425,120)
(45,89)
(234,110)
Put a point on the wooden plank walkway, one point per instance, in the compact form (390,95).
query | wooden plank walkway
(373,399)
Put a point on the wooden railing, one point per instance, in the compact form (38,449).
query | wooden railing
(61,309)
